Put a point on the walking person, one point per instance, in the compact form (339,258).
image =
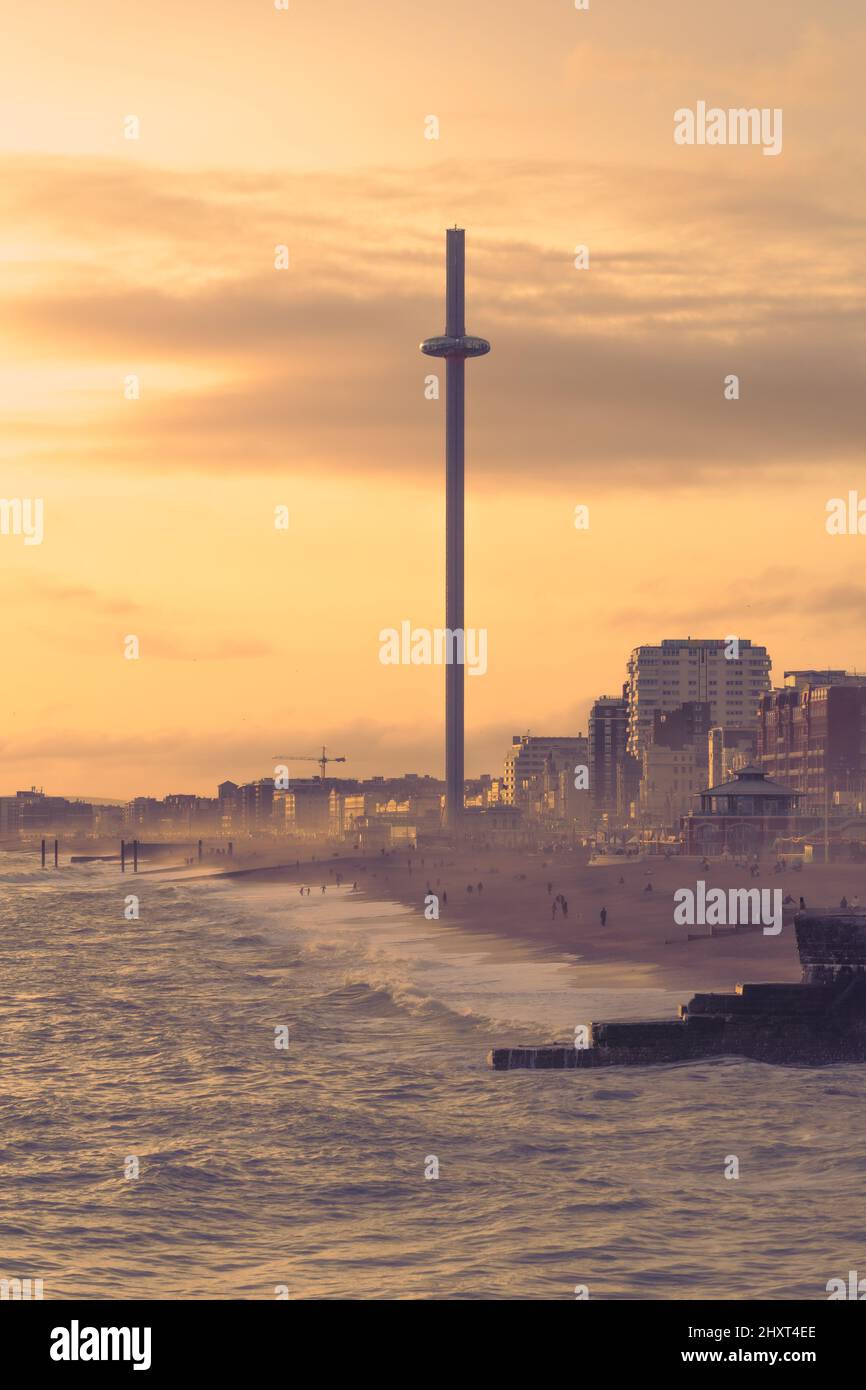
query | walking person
(602,916)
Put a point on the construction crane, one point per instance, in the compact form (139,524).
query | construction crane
(322,760)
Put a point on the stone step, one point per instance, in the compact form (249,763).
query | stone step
(636,1033)
(787,998)
(557,1057)
(763,999)
(712,1004)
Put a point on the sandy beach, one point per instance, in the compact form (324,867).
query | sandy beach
(638,946)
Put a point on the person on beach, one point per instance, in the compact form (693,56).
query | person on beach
(648,888)
(550,888)
(802,904)
(855,901)
(553,906)
(603,916)
(844,903)
(444,898)
(564,908)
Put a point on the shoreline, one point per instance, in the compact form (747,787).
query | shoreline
(639,947)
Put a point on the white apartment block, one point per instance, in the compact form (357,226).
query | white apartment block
(662,677)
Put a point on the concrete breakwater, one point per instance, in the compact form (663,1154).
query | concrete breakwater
(820,1020)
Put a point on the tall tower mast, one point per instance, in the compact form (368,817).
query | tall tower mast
(455,347)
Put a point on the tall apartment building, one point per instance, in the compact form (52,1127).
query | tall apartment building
(227,804)
(527,757)
(608,738)
(732,680)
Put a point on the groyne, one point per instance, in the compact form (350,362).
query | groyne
(817,1021)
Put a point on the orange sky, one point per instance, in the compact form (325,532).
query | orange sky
(260,387)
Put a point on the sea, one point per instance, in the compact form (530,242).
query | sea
(246,1092)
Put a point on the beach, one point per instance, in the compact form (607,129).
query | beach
(639,946)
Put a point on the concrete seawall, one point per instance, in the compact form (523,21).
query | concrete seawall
(819,1021)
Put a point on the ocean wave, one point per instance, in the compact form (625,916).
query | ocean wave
(379,995)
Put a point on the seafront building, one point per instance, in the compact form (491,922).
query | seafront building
(812,735)
(674,764)
(608,749)
(745,816)
(178,814)
(728,750)
(304,808)
(731,678)
(32,812)
(531,757)
(386,810)
(668,785)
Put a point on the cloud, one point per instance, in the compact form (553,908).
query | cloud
(34,590)
(617,371)
(766,596)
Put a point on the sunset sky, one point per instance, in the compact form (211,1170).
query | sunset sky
(305,387)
